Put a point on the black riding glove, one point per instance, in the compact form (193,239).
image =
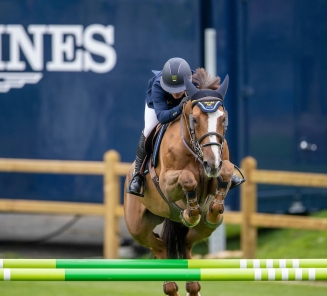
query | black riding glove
(183,102)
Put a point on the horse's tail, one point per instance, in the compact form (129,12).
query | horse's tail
(173,234)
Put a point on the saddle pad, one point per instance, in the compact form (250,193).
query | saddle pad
(157,145)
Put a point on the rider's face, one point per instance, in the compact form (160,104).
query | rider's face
(178,95)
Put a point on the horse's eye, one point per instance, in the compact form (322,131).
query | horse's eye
(195,121)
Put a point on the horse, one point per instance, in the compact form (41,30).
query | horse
(187,188)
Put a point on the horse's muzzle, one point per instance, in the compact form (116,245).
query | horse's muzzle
(210,169)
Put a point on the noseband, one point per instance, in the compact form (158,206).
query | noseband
(196,143)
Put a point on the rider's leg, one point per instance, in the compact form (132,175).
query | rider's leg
(235,181)
(137,180)
(150,121)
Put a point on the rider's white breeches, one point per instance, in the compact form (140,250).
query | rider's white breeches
(150,120)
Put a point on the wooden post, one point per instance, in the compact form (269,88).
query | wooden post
(111,202)
(248,207)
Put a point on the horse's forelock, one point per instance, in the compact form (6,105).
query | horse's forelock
(204,80)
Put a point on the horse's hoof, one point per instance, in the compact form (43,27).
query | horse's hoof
(193,288)
(212,225)
(186,219)
(170,288)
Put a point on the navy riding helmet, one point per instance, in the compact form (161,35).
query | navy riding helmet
(172,79)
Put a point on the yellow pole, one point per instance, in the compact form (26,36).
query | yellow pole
(248,208)
(111,202)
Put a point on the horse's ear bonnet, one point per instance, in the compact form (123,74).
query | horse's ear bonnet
(196,94)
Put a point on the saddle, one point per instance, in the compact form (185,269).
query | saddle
(152,146)
(151,149)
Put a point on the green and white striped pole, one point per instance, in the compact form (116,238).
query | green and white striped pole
(196,274)
(166,263)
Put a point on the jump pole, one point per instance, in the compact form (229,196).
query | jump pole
(196,274)
(166,263)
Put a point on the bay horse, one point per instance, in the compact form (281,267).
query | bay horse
(187,188)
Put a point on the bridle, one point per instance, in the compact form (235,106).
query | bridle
(195,146)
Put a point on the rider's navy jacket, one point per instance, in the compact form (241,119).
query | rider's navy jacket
(163,103)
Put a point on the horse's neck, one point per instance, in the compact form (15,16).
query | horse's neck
(181,129)
(178,146)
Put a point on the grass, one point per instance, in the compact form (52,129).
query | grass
(272,243)
(155,288)
(278,243)
(284,243)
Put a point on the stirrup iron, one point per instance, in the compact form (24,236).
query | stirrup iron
(141,194)
(242,180)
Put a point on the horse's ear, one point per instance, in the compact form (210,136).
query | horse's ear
(190,88)
(223,87)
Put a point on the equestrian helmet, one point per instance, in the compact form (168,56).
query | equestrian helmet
(172,79)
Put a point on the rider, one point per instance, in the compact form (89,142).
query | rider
(165,98)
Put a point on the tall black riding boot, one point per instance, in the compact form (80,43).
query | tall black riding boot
(138,179)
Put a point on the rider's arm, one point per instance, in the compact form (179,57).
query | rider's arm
(164,114)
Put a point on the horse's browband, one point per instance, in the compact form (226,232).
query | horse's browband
(202,99)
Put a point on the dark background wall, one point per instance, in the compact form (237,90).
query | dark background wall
(274,52)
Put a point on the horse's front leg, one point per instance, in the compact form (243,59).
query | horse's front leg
(182,182)
(214,215)
(178,183)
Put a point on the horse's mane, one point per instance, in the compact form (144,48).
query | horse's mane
(204,80)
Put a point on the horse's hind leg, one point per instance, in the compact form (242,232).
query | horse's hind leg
(140,223)
(193,288)
(170,288)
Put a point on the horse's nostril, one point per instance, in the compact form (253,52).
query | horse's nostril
(206,166)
